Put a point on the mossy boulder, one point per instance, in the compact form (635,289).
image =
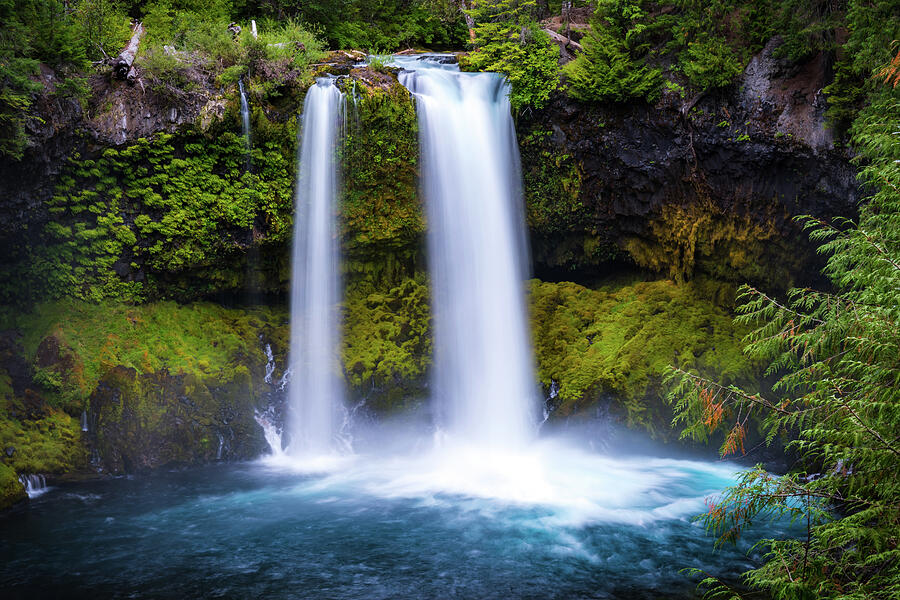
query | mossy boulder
(155,419)
(11,489)
(616,341)
(161,383)
(387,343)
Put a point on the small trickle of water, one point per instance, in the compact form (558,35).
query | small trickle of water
(35,485)
(550,402)
(84,421)
(270,364)
(271,431)
(245,116)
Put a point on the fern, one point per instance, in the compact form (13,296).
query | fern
(836,356)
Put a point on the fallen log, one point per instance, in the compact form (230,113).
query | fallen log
(561,39)
(123,63)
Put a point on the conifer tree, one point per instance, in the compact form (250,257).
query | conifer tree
(837,356)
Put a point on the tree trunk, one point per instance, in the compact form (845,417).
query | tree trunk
(565,41)
(123,63)
(470,22)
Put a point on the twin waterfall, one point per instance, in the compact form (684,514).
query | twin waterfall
(483,386)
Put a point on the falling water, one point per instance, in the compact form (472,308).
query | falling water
(315,393)
(471,184)
(245,116)
(35,485)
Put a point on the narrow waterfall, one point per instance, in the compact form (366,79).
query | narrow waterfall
(315,392)
(245,116)
(477,252)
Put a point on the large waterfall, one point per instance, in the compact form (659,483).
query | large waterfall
(484,379)
(315,391)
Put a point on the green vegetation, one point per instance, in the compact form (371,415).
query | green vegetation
(163,206)
(835,354)
(73,344)
(45,441)
(552,185)
(387,342)
(46,32)
(633,44)
(381,25)
(382,219)
(619,339)
(509,40)
(612,68)
(11,490)
(182,38)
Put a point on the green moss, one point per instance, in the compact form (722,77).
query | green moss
(552,186)
(47,442)
(75,343)
(733,247)
(383,221)
(11,489)
(387,341)
(619,339)
(168,216)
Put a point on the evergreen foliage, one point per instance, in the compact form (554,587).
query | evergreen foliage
(837,356)
(509,40)
(612,66)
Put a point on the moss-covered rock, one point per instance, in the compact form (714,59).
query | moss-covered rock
(387,343)
(11,489)
(154,419)
(383,221)
(161,383)
(617,341)
(170,216)
(44,442)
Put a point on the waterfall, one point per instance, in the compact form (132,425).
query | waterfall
(245,117)
(315,392)
(471,182)
(35,485)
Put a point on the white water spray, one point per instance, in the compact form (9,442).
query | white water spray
(477,251)
(315,392)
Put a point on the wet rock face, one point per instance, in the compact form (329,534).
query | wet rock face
(711,186)
(144,421)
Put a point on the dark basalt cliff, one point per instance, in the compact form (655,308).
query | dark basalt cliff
(708,184)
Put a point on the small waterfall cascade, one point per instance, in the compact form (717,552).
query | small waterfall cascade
(270,364)
(471,182)
(35,485)
(245,116)
(315,394)
(84,421)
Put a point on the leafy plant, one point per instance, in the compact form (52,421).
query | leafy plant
(837,358)
(508,40)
